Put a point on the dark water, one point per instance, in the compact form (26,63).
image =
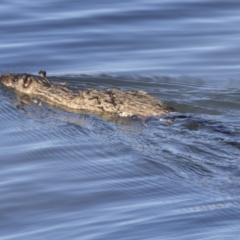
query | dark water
(78,176)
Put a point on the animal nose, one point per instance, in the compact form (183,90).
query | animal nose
(3,78)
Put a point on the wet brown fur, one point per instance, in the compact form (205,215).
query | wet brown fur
(113,101)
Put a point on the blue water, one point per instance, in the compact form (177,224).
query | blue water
(198,38)
(79,176)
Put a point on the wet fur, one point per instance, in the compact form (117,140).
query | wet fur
(113,101)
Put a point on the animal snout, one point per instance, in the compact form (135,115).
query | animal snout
(1,78)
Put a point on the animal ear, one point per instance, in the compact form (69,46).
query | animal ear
(42,73)
(26,81)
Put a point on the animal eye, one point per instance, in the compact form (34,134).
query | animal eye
(15,79)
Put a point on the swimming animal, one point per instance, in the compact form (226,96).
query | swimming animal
(113,101)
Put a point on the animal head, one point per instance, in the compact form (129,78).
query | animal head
(25,83)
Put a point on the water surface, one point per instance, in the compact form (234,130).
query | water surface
(79,176)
